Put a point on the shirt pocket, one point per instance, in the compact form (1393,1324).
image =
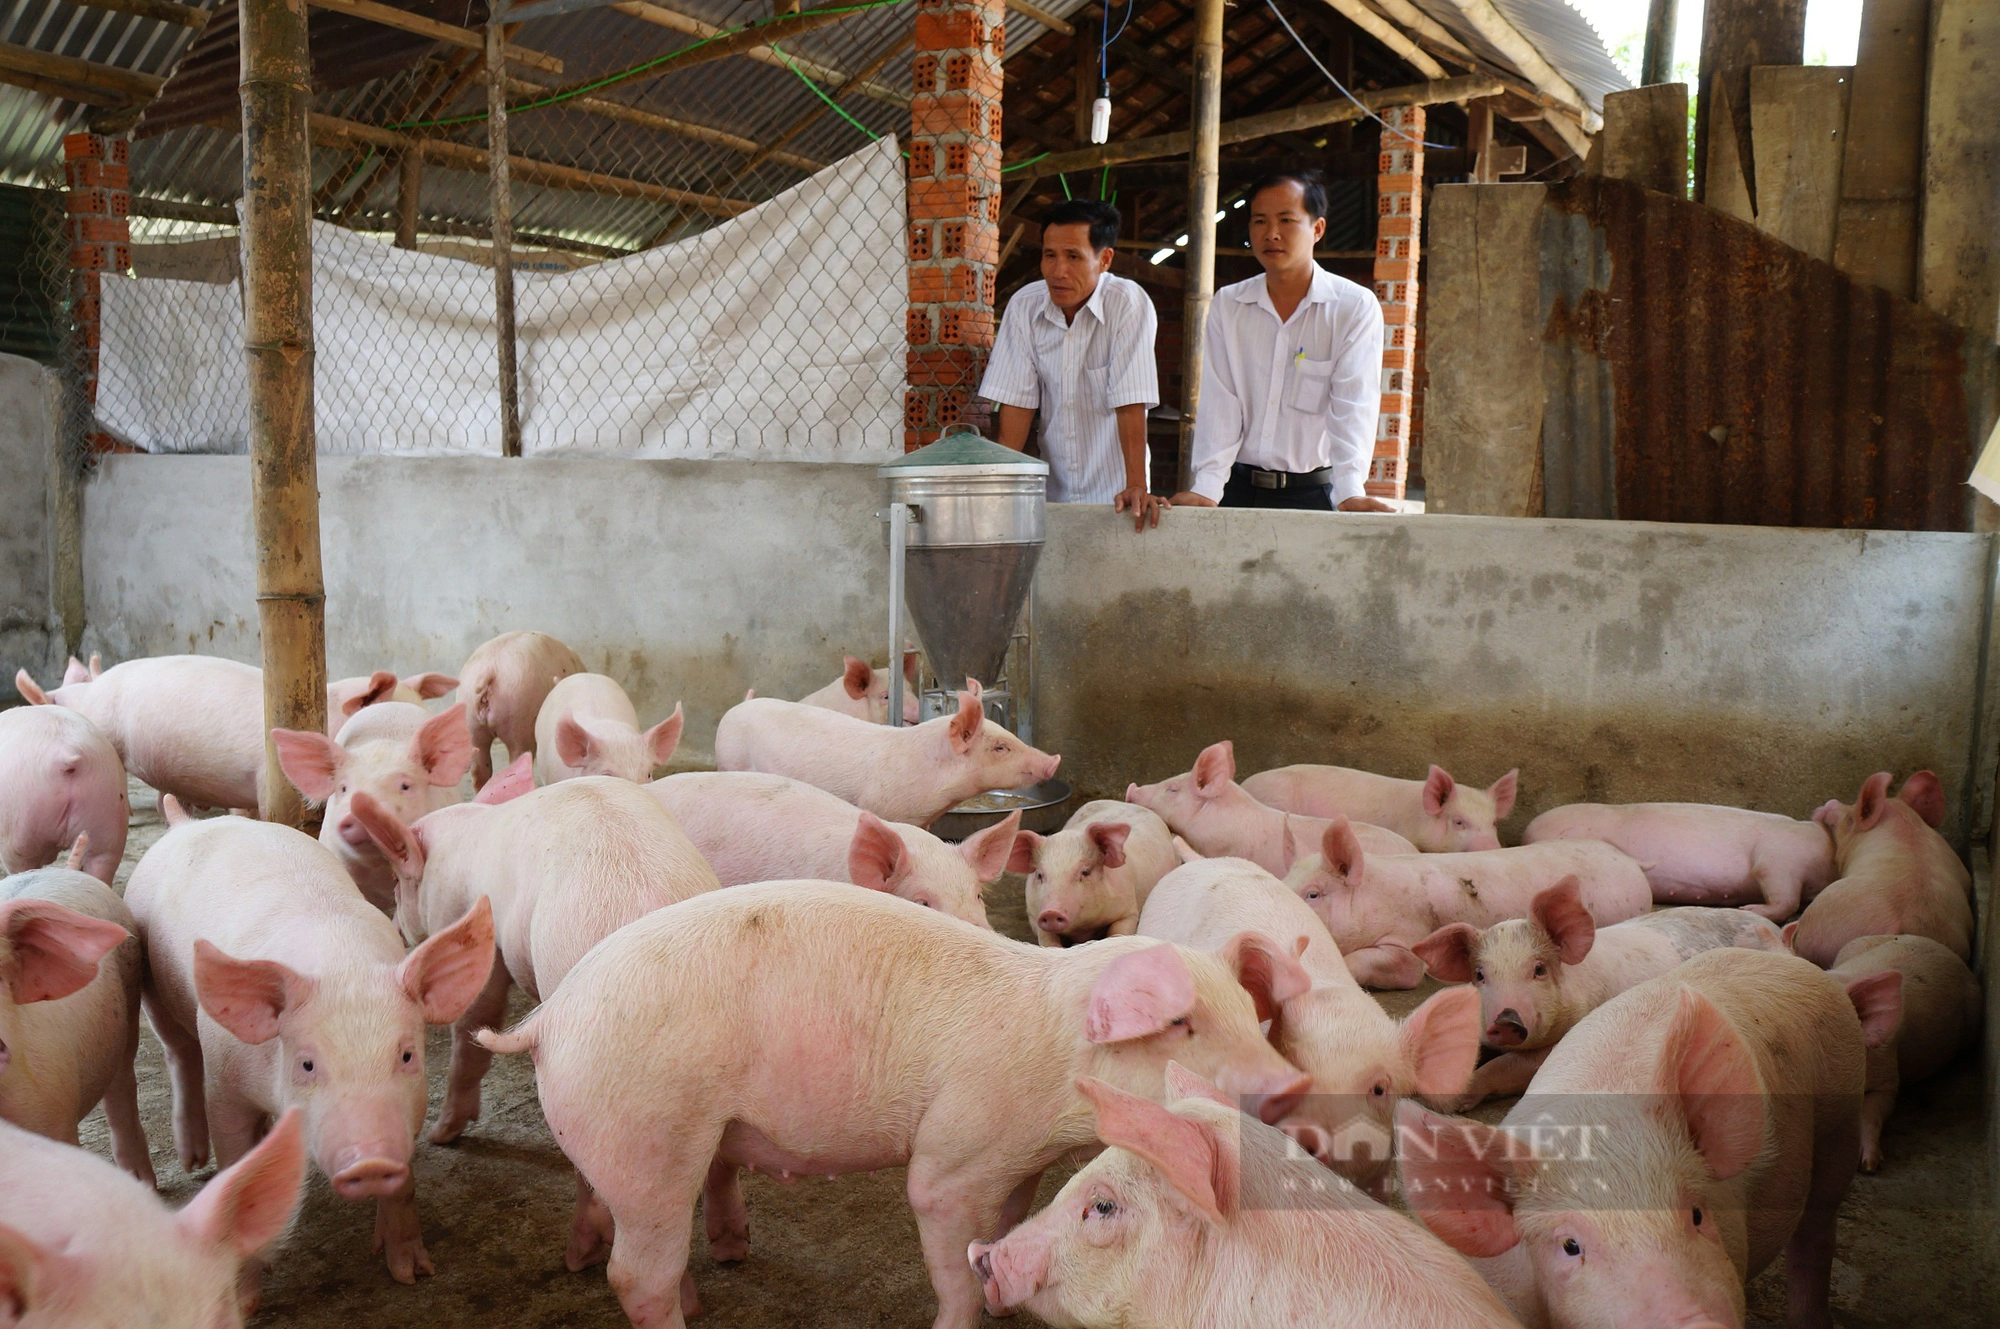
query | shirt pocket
(1312,381)
(1093,390)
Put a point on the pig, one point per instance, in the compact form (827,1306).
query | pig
(1897,875)
(1941,1009)
(561,868)
(754,827)
(1699,854)
(85,1247)
(60,778)
(1537,976)
(273,983)
(1219,818)
(188,725)
(1379,908)
(912,775)
(587,726)
(346,696)
(1683,1134)
(1090,879)
(407,759)
(675,1053)
(862,691)
(1436,814)
(503,685)
(1195,1215)
(1360,1059)
(69,1010)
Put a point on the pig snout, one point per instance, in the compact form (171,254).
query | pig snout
(1052,921)
(1508,1030)
(1277,1097)
(1009,1271)
(352,833)
(365,1175)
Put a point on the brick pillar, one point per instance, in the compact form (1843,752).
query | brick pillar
(954,235)
(1399,190)
(98,203)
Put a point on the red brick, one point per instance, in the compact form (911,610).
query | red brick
(99,230)
(85,147)
(96,175)
(88,203)
(948,113)
(928,284)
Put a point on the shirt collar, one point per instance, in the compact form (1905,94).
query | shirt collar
(1256,291)
(1095,304)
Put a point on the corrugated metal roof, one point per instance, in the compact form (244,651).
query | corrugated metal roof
(1562,35)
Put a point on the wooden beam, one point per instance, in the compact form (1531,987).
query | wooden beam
(1043,17)
(409,197)
(1958,264)
(1366,19)
(501,210)
(449,33)
(1426,27)
(1875,238)
(1798,126)
(1204,183)
(1663,19)
(661,16)
(164,11)
(1735,35)
(1479,140)
(1505,38)
(61,91)
(1645,138)
(173,209)
(644,119)
(87,75)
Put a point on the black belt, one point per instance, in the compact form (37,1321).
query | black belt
(1262,479)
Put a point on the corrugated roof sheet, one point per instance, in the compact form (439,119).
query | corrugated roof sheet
(1562,35)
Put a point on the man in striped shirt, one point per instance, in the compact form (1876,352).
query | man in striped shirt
(1077,346)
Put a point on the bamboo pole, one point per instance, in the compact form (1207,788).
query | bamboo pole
(448,33)
(277,341)
(409,193)
(87,74)
(1204,182)
(1662,23)
(503,239)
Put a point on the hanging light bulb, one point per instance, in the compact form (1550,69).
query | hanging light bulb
(1100,114)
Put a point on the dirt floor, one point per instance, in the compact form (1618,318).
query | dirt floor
(1917,1243)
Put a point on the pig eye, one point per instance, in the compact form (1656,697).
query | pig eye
(1572,1247)
(1479,975)
(1381,1089)
(306,1066)
(408,1056)
(406,786)
(1697,1215)
(1313,893)
(1541,970)
(1103,1207)
(1182,1023)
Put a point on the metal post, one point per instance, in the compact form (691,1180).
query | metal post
(503,237)
(1662,21)
(276,94)
(899,542)
(1204,182)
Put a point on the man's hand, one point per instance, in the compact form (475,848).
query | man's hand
(1145,508)
(1187,498)
(1363,503)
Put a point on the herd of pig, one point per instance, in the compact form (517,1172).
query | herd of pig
(1194,1016)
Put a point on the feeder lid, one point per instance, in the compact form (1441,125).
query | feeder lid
(963,451)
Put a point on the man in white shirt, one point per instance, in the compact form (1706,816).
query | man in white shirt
(1291,375)
(1078,347)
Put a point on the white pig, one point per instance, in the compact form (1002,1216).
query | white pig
(587,726)
(755,827)
(1896,873)
(1697,853)
(60,777)
(912,775)
(862,691)
(346,696)
(503,684)
(1437,814)
(272,983)
(1090,879)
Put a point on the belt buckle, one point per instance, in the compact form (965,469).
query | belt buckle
(1263,479)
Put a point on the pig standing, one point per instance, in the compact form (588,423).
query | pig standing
(503,685)
(1219,819)
(407,759)
(272,983)
(69,1010)
(1197,1216)
(83,1246)
(1696,853)
(1090,879)
(753,827)
(1897,874)
(1361,1060)
(1379,908)
(1436,814)
(1537,976)
(1718,1104)
(60,777)
(346,696)
(813,1029)
(561,868)
(912,775)
(587,726)
(862,691)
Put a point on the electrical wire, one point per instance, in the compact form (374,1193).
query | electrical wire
(1105,37)
(1362,106)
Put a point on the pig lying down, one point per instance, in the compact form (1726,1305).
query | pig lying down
(60,777)
(1896,873)
(587,726)
(1436,814)
(1090,879)
(503,685)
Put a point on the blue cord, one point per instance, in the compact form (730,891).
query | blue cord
(1400,134)
(1104,39)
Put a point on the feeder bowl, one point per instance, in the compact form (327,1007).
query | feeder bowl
(1040,805)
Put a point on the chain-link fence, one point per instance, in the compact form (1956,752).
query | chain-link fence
(38,302)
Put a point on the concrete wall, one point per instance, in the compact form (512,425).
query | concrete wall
(26,639)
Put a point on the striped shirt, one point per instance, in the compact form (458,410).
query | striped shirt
(1077,374)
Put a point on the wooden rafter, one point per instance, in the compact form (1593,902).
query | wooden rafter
(449,33)
(163,11)
(757,49)
(128,86)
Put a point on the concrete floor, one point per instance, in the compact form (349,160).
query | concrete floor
(1917,1243)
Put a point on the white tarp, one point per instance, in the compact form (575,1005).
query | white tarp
(778,334)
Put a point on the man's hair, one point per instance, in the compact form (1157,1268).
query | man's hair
(1102,219)
(1311,183)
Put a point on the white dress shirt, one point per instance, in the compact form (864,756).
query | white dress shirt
(1293,395)
(1077,374)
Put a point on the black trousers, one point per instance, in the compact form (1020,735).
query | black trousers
(1238,492)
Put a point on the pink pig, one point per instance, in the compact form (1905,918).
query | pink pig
(1090,879)
(1537,976)
(1379,907)
(912,775)
(1436,814)
(1197,1217)
(503,685)
(862,691)
(754,827)
(813,1029)
(345,696)
(272,983)
(1361,1060)
(587,726)
(1696,853)
(81,1244)
(1896,873)
(60,777)
(1219,819)
(1682,1135)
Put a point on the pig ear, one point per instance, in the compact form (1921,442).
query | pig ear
(909,666)
(381,687)
(1786,935)
(664,737)
(1184,1083)
(1139,994)
(443,746)
(1925,792)
(30,693)
(1708,1066)
(445,974)
(877,858)
(1878,1000)
(430,686)
(248,1204)
(1503,792)
(1386,965)
(1342,850)
(246,997)
(1191,1155)
(96,664)
(1021,857)
(965,726)
(1558,910)
(1440,1042)
(52,950)
(1214,768)
(1270,973)
(992,850)
(76,672)
(31,1275)
(573,741)
(399,842)
(311,761)
(1288,847)
(1448,952)
(1438,787)
(1108,838)
(1450,1181)
(855,675)
(511,783)
(1872,803)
